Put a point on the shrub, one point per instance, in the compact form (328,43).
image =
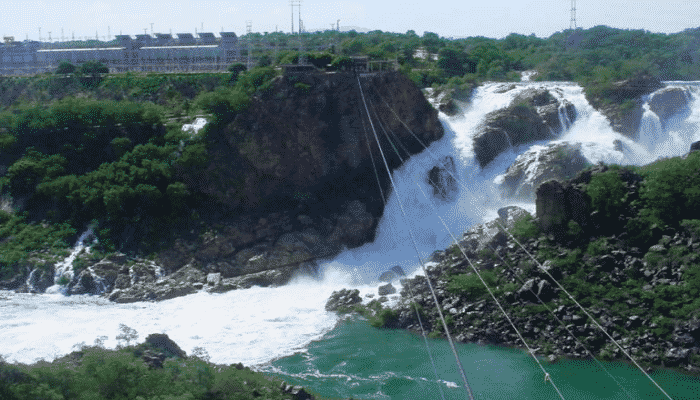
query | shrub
(469,285)
(257,79)
(65,67)
(385,318)
(223,103)
(607,192)
(525,228)
(302,87)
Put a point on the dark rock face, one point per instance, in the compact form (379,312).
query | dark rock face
(343,298)
(533,115)
(289,142)
(558,203)
(669,102)
(626,120)
(291,181)
(385,290)
(695,146)
(556,161)
(161,341)
(441,178)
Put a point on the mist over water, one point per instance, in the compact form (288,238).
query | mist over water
(259,325)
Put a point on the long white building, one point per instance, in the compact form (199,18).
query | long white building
(144,53)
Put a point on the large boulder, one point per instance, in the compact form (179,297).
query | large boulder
(40,279)
(354,227)
(343,299)
(441,178)
(622,103)
(386,290)
(161,342)
(558,203)
(533,115)
(558,161)
(670,101)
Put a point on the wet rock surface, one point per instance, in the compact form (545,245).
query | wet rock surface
(622,104)
(557,161)
(441,178)
(343,299)
(669,102)
(533,115)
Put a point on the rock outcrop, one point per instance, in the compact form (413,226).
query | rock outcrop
(533,115)
(486,236)
(669,102)
(343,299)
(558,203)
(622,103)
(557,161)
(441,178)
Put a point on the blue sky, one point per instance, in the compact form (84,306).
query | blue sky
(491,18)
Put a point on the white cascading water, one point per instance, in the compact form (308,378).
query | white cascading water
(258,325)
(63,271)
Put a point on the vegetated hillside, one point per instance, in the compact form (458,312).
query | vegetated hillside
(622,240)
(140,183)
(155,369)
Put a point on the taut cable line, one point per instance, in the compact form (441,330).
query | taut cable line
(410,289)
(530,351)
(398,141)
(542,268)
(467,387)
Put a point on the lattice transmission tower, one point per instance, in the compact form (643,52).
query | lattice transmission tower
(572,25)
(249,37)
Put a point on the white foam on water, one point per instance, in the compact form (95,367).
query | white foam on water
(252,326)
(258,325)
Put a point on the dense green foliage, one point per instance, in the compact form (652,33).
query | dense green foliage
(114,164)
(97,373)
(632,209)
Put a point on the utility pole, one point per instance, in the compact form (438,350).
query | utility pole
(63,38)
(109,33)
(572,25)
(49,36)
(338,26)
(40,34)
(295,3)
(249,35)
(151,28)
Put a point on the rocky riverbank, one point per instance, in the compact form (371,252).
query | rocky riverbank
(644,295)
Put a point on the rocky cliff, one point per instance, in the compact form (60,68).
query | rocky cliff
(289,181)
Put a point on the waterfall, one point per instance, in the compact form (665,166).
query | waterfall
(63,270)
(257,325)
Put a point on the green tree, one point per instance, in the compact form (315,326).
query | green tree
(65,67)
(236,69)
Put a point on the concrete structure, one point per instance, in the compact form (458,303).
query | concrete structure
(145,53)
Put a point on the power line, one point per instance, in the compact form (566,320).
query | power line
(427,277)
(548,274)
(530,351)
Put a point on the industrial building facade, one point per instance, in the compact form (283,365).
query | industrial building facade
(145,53)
